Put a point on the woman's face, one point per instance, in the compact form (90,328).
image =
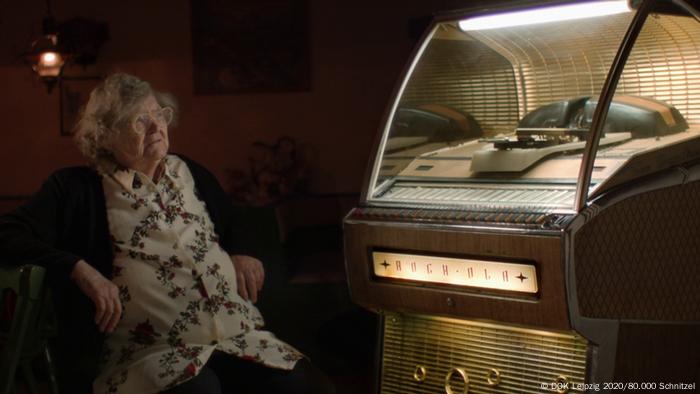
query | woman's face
(145,141)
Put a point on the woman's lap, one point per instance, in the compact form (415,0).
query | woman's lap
(225,374)
(206,382)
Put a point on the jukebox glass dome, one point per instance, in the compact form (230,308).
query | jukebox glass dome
(501,117)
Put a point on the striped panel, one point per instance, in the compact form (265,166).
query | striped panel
(665,64)
(559,61)
(468,76)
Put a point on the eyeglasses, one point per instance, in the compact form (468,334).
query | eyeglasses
(143,122)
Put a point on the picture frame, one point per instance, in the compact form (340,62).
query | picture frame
(74,93)
(250,46)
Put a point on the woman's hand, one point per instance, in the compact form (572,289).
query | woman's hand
(102,292)
(250,276)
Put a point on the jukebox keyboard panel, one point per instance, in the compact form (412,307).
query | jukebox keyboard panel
(429,354)
(533,197)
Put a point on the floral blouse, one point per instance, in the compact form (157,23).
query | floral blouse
(177,287)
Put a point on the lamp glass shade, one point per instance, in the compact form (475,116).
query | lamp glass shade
(46,57)
(49,64)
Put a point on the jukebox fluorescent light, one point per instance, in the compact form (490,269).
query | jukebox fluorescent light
(545,15)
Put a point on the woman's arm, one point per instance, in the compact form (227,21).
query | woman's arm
(31,235)
(103,293)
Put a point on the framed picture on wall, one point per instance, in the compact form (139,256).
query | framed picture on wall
(250,46)
(74,93)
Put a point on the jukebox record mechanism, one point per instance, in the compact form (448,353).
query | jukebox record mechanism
(519,159)
(562,127)
(527,142)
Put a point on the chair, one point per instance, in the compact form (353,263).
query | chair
(23,326)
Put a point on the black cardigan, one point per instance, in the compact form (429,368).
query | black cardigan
(67,221)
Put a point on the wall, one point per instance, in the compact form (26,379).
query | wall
(358,50)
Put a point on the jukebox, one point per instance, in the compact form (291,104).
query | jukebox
(531,216)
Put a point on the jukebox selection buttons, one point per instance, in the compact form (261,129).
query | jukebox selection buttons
(457,373)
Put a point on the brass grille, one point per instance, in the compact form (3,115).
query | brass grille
(469,76)
(523,358)
(664,64)
(558,61)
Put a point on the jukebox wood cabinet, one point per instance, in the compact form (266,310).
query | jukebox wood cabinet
(531,216)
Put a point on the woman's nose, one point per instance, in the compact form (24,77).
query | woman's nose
(152,127)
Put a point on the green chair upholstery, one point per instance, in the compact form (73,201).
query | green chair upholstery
(24,327)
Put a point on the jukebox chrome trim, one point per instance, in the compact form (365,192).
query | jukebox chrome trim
(601,111)
(460,227)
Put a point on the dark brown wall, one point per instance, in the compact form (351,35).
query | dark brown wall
(358,50)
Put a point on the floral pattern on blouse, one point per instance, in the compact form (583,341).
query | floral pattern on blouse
(177,287)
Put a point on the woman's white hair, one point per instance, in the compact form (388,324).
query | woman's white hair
(109,111)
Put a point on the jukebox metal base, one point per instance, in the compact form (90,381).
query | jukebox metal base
(425,354)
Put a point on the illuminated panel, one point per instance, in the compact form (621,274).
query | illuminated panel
(459,272)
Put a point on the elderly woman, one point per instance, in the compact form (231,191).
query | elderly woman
(147,237)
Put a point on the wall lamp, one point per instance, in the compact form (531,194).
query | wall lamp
(75,41)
